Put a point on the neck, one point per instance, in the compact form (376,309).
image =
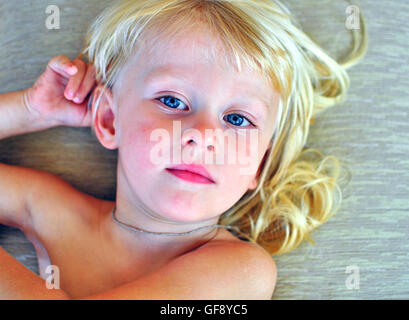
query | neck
(174,234)
(159,245)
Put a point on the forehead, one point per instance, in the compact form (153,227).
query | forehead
(194,44)
(195,52)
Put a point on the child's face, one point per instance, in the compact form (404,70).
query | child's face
(202,96)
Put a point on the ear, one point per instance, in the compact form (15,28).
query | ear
(104,121)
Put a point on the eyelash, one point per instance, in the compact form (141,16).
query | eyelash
(235,113)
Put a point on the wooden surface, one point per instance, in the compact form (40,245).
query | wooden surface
(369,132)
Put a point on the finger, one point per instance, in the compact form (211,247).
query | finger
(75,80)
(62,65)
(82,114)
(87,120)
(73,114)
(86,86)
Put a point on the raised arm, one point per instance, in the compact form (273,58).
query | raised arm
(48,103)
(15,118)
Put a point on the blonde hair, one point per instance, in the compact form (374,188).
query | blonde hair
(298,188)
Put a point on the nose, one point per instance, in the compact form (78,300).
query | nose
(196,133)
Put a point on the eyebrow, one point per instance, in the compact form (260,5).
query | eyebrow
(153,76)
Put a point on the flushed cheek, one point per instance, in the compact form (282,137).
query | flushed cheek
(248,156)
(136,148)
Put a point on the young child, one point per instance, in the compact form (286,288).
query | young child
(180,228)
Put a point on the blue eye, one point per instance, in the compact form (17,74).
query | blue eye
(237,119)
(171,102)
(234,118)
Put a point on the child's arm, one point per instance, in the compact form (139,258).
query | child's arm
(46,104)
(224,270)
(19,283)
(15,118)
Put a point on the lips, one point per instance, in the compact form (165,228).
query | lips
(189,171)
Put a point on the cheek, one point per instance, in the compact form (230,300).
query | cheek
(136,146)
(249,149)
(238,178)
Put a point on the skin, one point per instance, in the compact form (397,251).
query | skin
(147,195)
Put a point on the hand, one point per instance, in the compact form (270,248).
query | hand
(59,95)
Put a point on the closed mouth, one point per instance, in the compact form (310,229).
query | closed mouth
(190,176)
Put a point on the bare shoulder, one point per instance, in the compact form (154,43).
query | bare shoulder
(248,262)
(226,240)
